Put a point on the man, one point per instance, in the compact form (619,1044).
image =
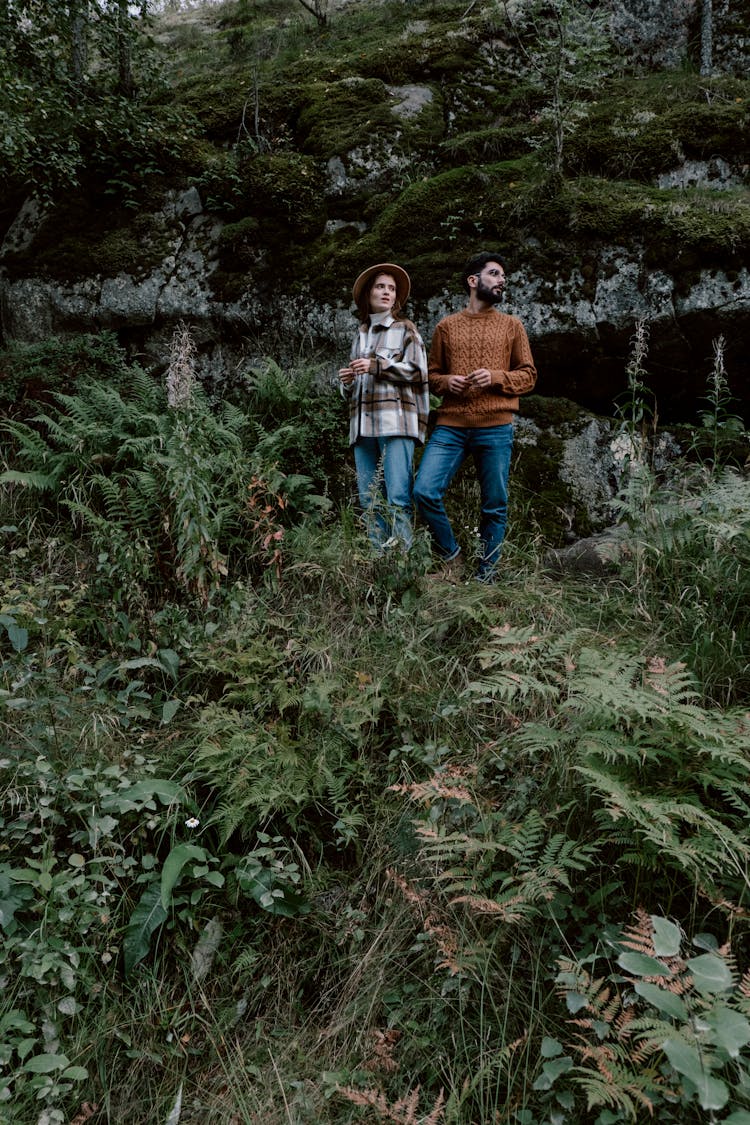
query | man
(479,362)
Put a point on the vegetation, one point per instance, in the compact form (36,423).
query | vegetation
(286,118)
(292,834)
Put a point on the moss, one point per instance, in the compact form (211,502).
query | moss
(713,226)
(644,127)
(77,240)
(463,203)
(288,186)
(493,143)
(340,115)
(538,496)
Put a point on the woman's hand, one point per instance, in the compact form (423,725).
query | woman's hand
(346,375)
(360,366)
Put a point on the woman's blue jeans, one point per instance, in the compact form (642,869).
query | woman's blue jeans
(446,452)
(384,481)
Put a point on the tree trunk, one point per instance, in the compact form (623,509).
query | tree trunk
(78,44)
(125,81)
(706,37)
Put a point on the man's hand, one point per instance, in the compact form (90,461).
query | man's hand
(481,378)
(346,375)
(458,384)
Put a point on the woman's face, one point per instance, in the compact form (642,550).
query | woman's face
(383,293)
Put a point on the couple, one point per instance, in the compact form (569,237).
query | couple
(479,363)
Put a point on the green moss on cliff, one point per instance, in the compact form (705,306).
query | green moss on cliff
(77,240)
(714,226)
(644,127)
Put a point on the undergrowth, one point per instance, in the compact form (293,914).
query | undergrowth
(293,834)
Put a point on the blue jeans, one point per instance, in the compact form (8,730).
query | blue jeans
(446,452)
(384,480)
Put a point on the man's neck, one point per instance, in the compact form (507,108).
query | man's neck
(476,306)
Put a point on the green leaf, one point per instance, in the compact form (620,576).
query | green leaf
(575,1001)
(45,1064)
(641,965)
(731,1029)
(712,1093)
(710,974)
(168,792)
(147,917)
(551,1071)
(739,1117)
(76,1073)
(169,710)
(550,1048)
(261,886)
(17,635)
(667,937)
(169,661)
(684,1059)
(173,865)
(662,1000)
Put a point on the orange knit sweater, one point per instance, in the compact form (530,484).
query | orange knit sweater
(465,341)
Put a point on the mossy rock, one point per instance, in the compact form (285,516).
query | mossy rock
(563,469)
(671,222)
(357,112)
(79,240)
(283,189)
(460,205)
(644,127)
(494,143)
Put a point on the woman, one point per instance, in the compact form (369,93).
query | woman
(386,385)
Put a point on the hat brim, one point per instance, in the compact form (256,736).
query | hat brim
(399,275)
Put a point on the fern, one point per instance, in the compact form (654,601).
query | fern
(664,1029)
(510,871)
(655,764)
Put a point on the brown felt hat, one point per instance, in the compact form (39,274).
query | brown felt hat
(399,275)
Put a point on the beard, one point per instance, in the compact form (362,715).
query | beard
(489,296)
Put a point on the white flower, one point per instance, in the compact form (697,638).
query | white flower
(192,822)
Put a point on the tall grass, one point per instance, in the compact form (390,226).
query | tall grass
(383,808)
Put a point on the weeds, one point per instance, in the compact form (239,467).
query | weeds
(294,833)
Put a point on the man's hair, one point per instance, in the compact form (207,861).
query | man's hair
(477,264)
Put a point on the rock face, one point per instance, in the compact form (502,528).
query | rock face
(580,325)
(647,219)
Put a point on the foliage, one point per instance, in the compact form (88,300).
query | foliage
(665,1032)
(568,55)
(70,73)
(721,430)
(292,833)
(29,372)
(157,491)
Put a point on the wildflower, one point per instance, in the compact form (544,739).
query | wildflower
(192,822)
(181,370)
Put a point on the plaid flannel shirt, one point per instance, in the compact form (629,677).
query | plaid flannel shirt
(396,401)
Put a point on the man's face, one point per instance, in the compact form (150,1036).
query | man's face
(491,283)
(383,293)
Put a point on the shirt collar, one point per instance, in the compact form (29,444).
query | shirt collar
(383,318)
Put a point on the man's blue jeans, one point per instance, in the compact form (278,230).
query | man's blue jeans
(384,480)
(446,451)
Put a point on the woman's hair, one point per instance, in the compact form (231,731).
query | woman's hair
(363,301)
(476,264)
